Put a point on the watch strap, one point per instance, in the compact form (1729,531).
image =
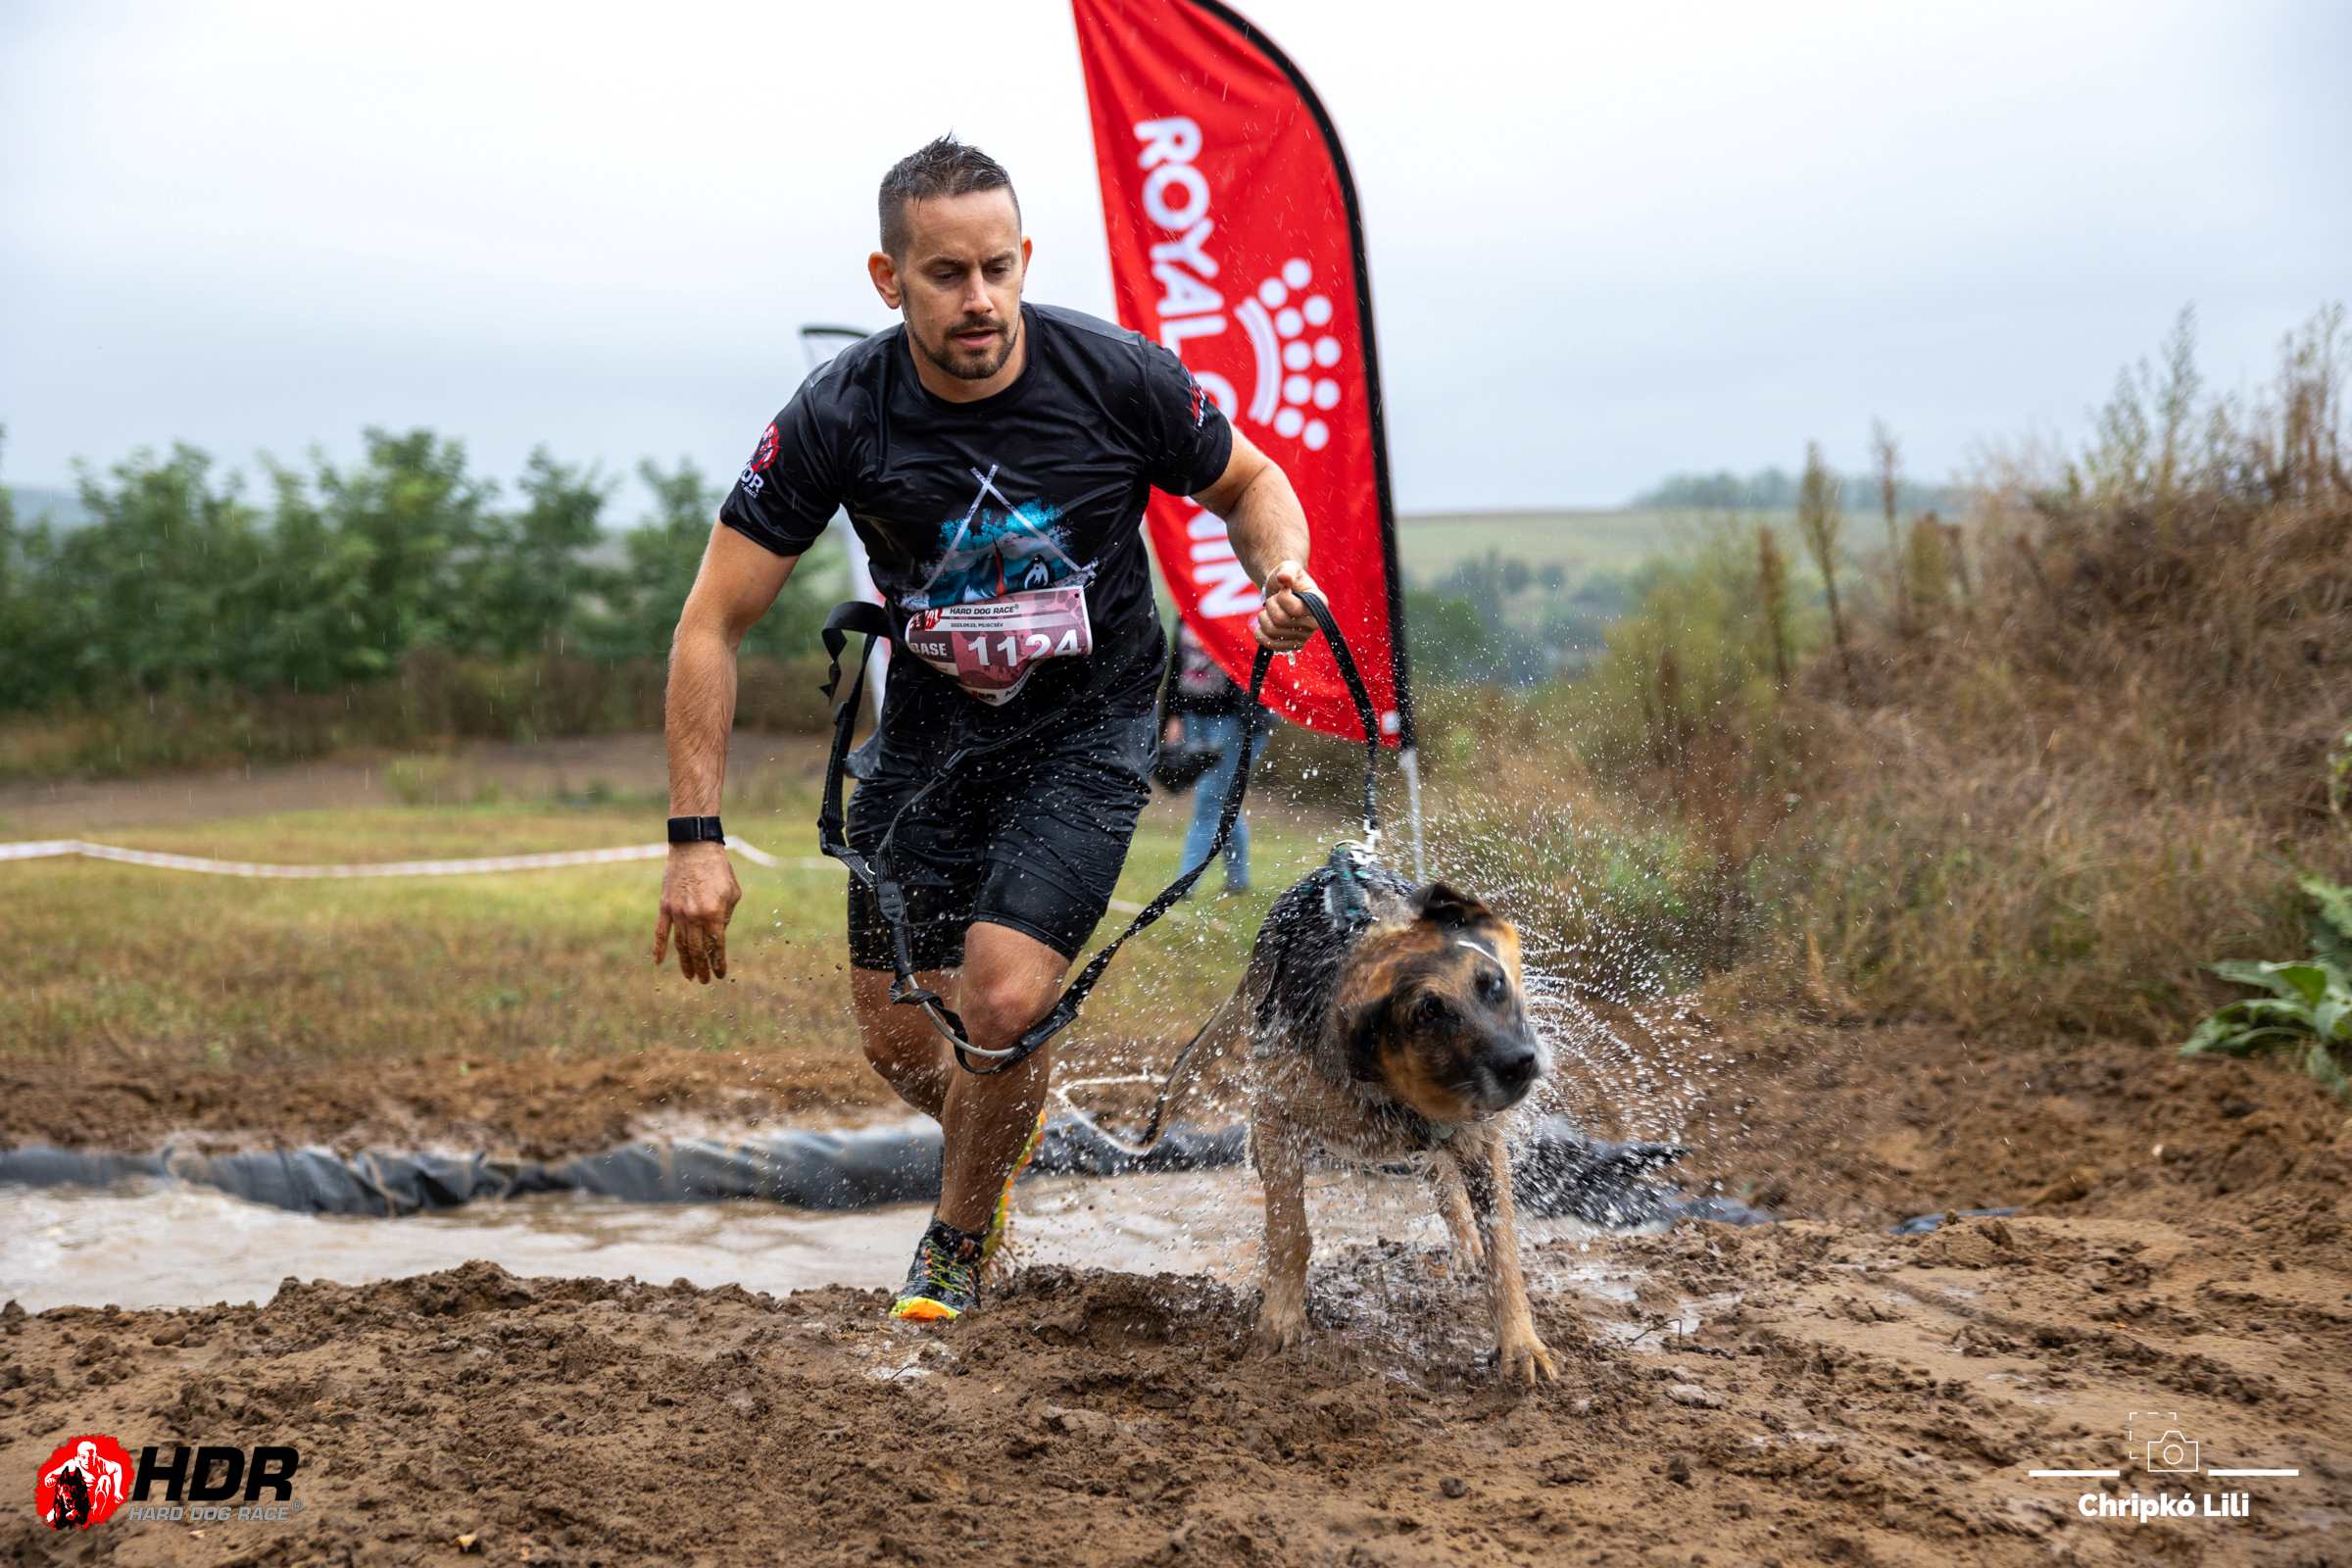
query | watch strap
(696,830)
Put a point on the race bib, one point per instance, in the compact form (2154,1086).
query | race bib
(992,648)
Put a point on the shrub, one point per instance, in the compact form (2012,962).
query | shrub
(2119,705)
(2309,1008)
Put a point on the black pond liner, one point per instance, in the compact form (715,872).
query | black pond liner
(1558,1170)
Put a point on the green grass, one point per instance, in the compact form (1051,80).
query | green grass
(1594,560)
(158,969)
(1581,542)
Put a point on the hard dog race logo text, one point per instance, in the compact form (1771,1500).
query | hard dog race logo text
(86,1478)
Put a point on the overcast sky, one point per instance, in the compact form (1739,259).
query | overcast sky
(1606,242)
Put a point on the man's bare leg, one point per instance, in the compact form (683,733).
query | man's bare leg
(1009,981)
(900,1042)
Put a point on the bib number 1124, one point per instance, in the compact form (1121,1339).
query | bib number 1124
(992,647)
(1013,650)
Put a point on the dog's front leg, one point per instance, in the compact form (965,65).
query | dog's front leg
(1485,1167)
(1279,1151)
(1453,1206)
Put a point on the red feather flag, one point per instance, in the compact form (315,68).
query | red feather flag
(1235,241)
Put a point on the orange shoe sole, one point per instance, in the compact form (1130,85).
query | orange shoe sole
(923,1310)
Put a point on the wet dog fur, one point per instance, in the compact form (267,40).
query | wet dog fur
(1418,1052)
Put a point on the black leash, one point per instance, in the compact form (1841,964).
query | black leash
(873,623)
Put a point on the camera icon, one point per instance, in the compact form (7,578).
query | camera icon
(2171,1454)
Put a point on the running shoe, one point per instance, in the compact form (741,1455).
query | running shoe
(999,1223)
(944,1282)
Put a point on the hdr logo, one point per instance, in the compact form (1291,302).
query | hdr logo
(754,477)
(82,1483)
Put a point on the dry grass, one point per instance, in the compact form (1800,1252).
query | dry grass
(166,969)
(2022,887)
(2056,809)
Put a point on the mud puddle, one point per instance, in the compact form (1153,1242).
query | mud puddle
(154,1243)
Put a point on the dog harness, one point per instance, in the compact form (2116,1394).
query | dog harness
(1314,924)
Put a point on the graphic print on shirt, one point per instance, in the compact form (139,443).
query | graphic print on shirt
(990,552)
(1005,595)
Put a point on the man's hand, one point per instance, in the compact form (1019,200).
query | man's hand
(737,582)
(1282,622)
(699,895)
(1268,530)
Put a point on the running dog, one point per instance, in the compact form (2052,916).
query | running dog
(1386,1022)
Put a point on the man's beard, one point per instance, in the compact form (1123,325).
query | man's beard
(964,369)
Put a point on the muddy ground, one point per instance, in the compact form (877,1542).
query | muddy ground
(1818,1391)
(1845,1396)
(1863,1124)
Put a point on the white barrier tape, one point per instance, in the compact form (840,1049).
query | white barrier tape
(41,849)
(47,849)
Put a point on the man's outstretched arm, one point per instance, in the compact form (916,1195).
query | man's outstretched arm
(737,582)
(1268,527)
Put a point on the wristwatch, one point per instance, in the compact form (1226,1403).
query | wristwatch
(696,830)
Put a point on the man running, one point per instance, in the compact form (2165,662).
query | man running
(994,457)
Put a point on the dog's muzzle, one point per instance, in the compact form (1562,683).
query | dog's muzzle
(1506,1073)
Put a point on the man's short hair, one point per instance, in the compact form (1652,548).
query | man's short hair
(945,167)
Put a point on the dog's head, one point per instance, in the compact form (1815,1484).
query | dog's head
(1429,1008)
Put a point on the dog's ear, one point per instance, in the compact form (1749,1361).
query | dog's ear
(1449,906)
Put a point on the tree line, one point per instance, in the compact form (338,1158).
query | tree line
(1776,489)
(337,573)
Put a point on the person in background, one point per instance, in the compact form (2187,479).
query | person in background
(1208,713)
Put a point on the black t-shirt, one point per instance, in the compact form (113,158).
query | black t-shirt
(1029,487)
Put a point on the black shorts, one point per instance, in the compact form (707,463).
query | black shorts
(1032,837)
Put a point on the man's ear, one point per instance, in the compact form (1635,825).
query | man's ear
(885,274)
(1449,906)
